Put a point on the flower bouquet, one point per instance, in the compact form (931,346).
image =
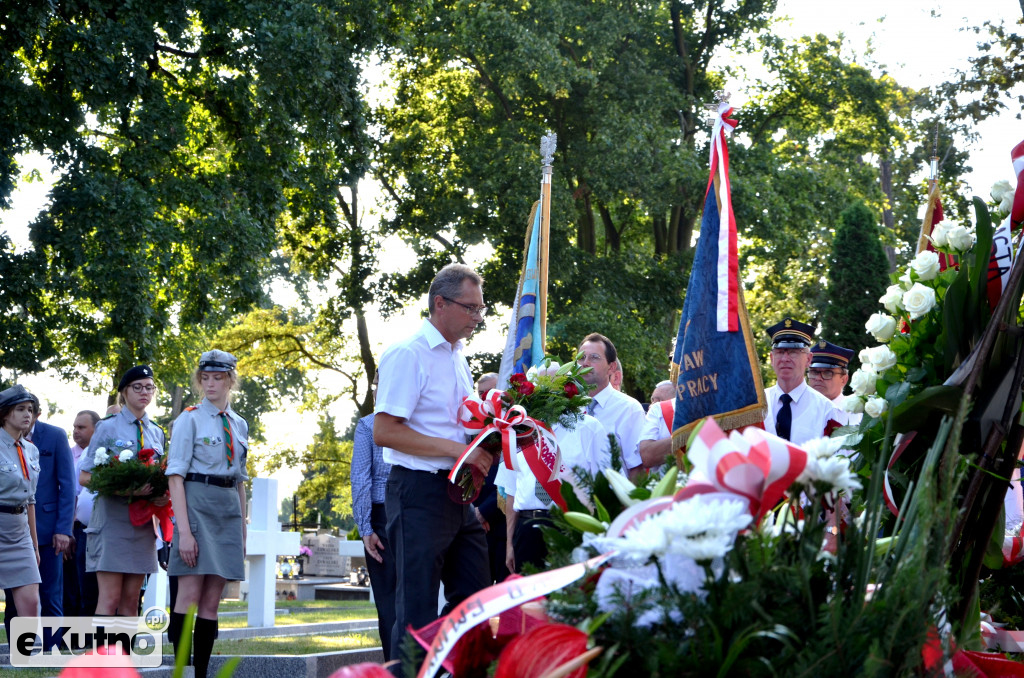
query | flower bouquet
(521,416)
(122,474)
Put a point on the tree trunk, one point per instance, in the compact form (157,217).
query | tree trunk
(611,236)
(585,231)
(888,218)
(685,229)
(661,234)
(369,365)
(177,396)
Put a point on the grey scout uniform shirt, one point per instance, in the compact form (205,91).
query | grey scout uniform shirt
(199,443)
(15,490)
(118,432)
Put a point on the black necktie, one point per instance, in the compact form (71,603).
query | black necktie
(784,420)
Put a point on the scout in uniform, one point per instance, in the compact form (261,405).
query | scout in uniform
(796,412)
(206,473)
(120,553)
(19,472)
(828,375)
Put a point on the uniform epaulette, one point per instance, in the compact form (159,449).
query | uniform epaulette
(191,407)
(112,414)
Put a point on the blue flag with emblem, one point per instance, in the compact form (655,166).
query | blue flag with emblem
(524,347)
(715,366)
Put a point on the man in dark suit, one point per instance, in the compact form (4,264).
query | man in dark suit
(55,511)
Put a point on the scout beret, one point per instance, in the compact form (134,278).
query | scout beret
(16,395)
(134,374)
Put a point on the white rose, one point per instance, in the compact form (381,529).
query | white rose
(100,455)
(1002,192)
(875,406)
(125,455)
(881,326)
(926,265)
(864,356)
(892,299)
(881,358)
(907,283)
(863,383)
(918,300)
(939,232)
(853,404)
(960,238)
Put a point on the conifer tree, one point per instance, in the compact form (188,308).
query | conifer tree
(857,277)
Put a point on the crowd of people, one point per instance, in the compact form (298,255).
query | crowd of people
(67,551)
(417,538)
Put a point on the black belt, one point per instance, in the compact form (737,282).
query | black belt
(534,514)
(79,525)
(12,509)
(219,481)
(439,472)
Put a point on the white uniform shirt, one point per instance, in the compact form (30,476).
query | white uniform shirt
(585,447)
(624,417)
(423,380)
(811,412)
(655,427)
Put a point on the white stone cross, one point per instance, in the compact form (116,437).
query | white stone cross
(264,543)
(158,590)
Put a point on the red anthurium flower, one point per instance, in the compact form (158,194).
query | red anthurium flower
(364,670)
(540,651)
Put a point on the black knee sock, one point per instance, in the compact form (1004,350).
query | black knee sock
(202,644)
(174,628)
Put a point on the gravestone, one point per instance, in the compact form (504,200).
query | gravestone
(325,560)
(264,543)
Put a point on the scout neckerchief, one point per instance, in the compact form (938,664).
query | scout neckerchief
(229,440)
(21,458)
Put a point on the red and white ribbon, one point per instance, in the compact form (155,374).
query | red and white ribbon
(727,298)
(754,464)
(1017,211)
(492,601)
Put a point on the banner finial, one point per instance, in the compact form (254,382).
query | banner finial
(548,142)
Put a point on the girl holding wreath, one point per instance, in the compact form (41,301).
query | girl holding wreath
(120,553)
(206,474)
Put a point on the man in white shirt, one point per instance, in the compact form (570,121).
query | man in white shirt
(796,412)
(86,589)
(828,375)
(527,505)
(423,381)
(621,415)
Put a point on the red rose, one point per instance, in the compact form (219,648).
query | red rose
(525,388)
(517,378)
(571,390)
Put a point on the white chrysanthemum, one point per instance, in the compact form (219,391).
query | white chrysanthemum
(834,472)
(125,455)
(100,455)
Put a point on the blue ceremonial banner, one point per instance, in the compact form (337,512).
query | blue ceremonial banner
(523,347)
(716,372)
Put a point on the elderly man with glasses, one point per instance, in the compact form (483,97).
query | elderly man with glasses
(828,374)
(796,412)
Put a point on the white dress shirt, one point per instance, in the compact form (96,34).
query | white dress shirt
(811,412)
(423,380)
(655,427)
(585,447)
(83,507)
(624,417)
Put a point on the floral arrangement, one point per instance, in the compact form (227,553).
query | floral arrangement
(120,474)
(550,392)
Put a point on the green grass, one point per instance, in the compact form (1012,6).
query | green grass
(294,645)
(317,617)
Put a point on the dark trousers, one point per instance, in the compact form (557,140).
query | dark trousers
(434,540)
(87,584)
(528,540)
(382,579)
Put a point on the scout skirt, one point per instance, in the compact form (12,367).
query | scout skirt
(17,555)
(114,544)
(215,518)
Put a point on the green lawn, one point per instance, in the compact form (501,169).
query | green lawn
(294,645)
